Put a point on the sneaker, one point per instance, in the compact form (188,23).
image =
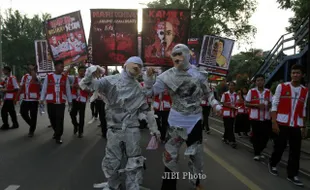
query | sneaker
(100,185)
(92,120)
(234,145)
(30,134)
(295,180)
(256,158)
(262,157)
(272,170)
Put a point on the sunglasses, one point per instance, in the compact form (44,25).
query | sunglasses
(177,54)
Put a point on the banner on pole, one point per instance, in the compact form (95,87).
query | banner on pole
(114,35)
(162,30)
(215,54)
(43,57)
(66,38)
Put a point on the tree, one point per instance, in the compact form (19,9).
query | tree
(299,7)
(245,64)
(216,17)
(19,34)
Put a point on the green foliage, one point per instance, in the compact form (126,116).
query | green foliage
(274,86)
(245,64)
(19,34)
(299,7)
(216,17)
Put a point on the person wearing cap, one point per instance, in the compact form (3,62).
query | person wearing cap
(10,91)
(187,86)
(125,105)
(56,92)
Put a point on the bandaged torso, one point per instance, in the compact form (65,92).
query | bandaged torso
(124,100)
(186,88)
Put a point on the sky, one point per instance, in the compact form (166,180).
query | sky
(269,20)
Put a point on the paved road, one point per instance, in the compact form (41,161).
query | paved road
(40,164)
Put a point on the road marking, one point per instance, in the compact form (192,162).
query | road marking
(12,187)
(246,181)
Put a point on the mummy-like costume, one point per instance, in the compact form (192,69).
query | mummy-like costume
(125,105)
(187,85)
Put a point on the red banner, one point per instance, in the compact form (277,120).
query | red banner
(66,38)
(114,35)
(162,30)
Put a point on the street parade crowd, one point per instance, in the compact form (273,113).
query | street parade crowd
(174,105)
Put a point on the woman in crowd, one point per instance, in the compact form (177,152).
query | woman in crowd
(242,124)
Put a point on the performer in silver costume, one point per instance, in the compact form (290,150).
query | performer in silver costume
(187,85)
(125,105)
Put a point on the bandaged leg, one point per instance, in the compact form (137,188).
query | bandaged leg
(111,162)
(195,152)
(135,162)
(176,138)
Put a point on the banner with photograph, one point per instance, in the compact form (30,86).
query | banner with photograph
(114,35)
(43,57)
(194,46)
(162,30)
(215,54)
(66,38)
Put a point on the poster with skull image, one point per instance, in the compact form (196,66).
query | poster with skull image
(162,30)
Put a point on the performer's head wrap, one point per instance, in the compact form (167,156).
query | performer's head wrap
(181,55)
(133,66)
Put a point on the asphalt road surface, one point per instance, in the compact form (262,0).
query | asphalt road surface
(39,163)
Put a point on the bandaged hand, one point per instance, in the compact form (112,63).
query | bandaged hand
(218,109)
(152,124)
(90,75)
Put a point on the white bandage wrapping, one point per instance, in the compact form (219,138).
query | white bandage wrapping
(152,123)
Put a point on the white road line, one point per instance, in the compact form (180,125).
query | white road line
(12,187)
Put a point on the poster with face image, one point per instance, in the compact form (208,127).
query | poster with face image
(114,35)
(215,54)
(194,46)
(162,29)
(66,38)
(43,57)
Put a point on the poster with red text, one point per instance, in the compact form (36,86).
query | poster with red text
(66,38)
(114,35)
(162,29)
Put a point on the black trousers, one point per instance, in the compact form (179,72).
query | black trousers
(193,137)
(78,108)
(56,114)
(293,136)
(162,123)
(100,106)
(229,134)
(94,111)
(242,123)
(261,134)
(29,112)
(8,108)
(205,114)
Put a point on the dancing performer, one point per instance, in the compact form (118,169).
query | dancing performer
(187,85)
(125,105)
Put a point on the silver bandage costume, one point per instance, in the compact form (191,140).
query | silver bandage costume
(125,104)
(187,85)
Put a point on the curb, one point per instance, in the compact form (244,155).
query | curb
(282,162)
